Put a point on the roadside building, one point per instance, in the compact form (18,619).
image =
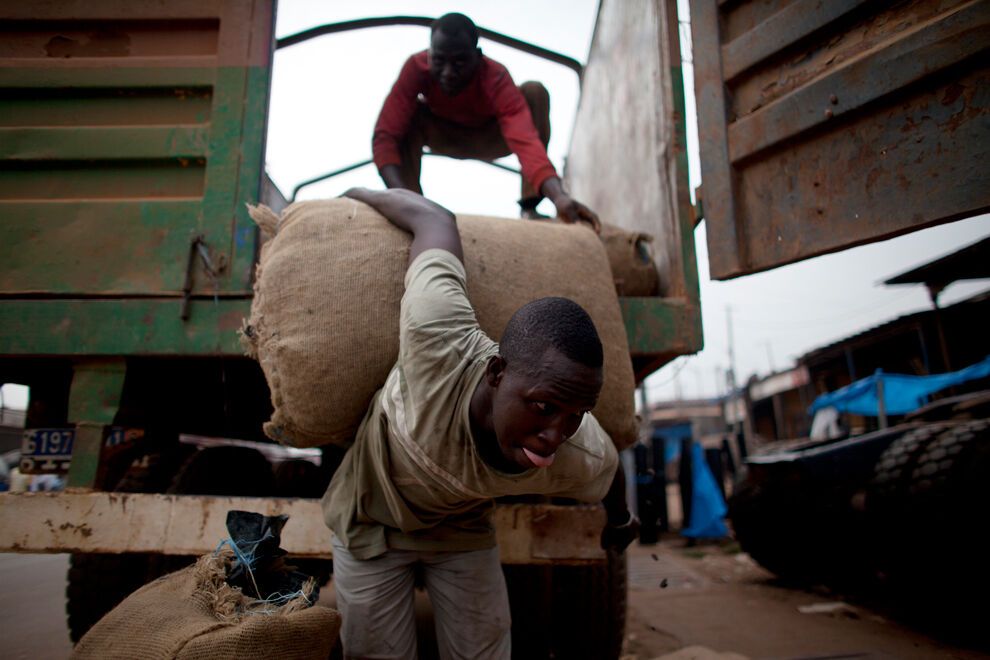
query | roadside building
(910,344)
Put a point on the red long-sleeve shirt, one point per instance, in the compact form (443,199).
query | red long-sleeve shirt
(490,94)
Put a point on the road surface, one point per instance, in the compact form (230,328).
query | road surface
(679,596)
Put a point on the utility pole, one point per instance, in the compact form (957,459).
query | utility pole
(697,375)
(773,368)
(738,424)
(731,378)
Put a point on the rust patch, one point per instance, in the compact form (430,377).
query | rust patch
(231,321)
(84,530)
(776,77)
(204,518)
(94,44)
(952,92)
(114,498)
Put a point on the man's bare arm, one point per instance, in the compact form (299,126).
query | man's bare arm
(568,208)
(391,175)
(431,225)
(621,526)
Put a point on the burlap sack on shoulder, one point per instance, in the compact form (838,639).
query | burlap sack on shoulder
(325,318)
(194,614)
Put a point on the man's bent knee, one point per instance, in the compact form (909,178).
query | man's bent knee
(535,91)
(538,99)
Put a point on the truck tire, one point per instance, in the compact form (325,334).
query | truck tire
(892,472)
(948,496)
(530,601)
(927,526)
(764,523)
(97,583)
(568,612)
(887,503)
(952,466)
(590,609)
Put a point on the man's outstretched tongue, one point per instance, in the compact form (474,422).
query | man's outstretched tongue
(537,460)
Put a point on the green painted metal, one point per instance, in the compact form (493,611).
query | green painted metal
(665,327)
(122,77)
(112,210)
(121,327)
(103,142)
(109,107)
(93,401)
(96,388)
(153,326)
(44,182)
(62,247)
(245,245)
(84,469)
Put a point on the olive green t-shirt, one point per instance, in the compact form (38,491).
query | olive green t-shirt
(413,479)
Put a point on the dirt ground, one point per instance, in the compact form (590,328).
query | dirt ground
(715,597)
(707,596)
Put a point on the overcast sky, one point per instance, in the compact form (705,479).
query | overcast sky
(326,95)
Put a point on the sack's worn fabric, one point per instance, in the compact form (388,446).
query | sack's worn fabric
(325,317)
(194,614)
(414,480)
(630,255)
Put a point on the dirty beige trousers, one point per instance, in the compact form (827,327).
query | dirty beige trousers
(459,141)
(467,589)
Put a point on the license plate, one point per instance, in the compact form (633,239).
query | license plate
(46,451)
(49,451)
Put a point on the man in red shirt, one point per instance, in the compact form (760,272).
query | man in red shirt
(462,104)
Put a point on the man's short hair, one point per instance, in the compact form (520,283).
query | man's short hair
(554,322)
(454,24)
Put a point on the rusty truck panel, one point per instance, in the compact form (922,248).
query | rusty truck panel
(628,161)
(127,130)
(824,125)
(192,525)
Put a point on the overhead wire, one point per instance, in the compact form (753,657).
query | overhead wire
(797,324)
(680,368)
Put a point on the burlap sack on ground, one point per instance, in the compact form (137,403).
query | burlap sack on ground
(194,614)
(630,256)
(325,318)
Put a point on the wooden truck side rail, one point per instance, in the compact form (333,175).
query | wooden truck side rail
(194,525)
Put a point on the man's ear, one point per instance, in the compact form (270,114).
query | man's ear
(495,370)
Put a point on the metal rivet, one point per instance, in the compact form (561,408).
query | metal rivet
(833,99)
(828,114)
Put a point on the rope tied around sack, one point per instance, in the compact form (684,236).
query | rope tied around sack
(247,559)
(275,603)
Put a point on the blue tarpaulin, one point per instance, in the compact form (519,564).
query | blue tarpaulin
(671,437)
(707,505)
(901,393)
